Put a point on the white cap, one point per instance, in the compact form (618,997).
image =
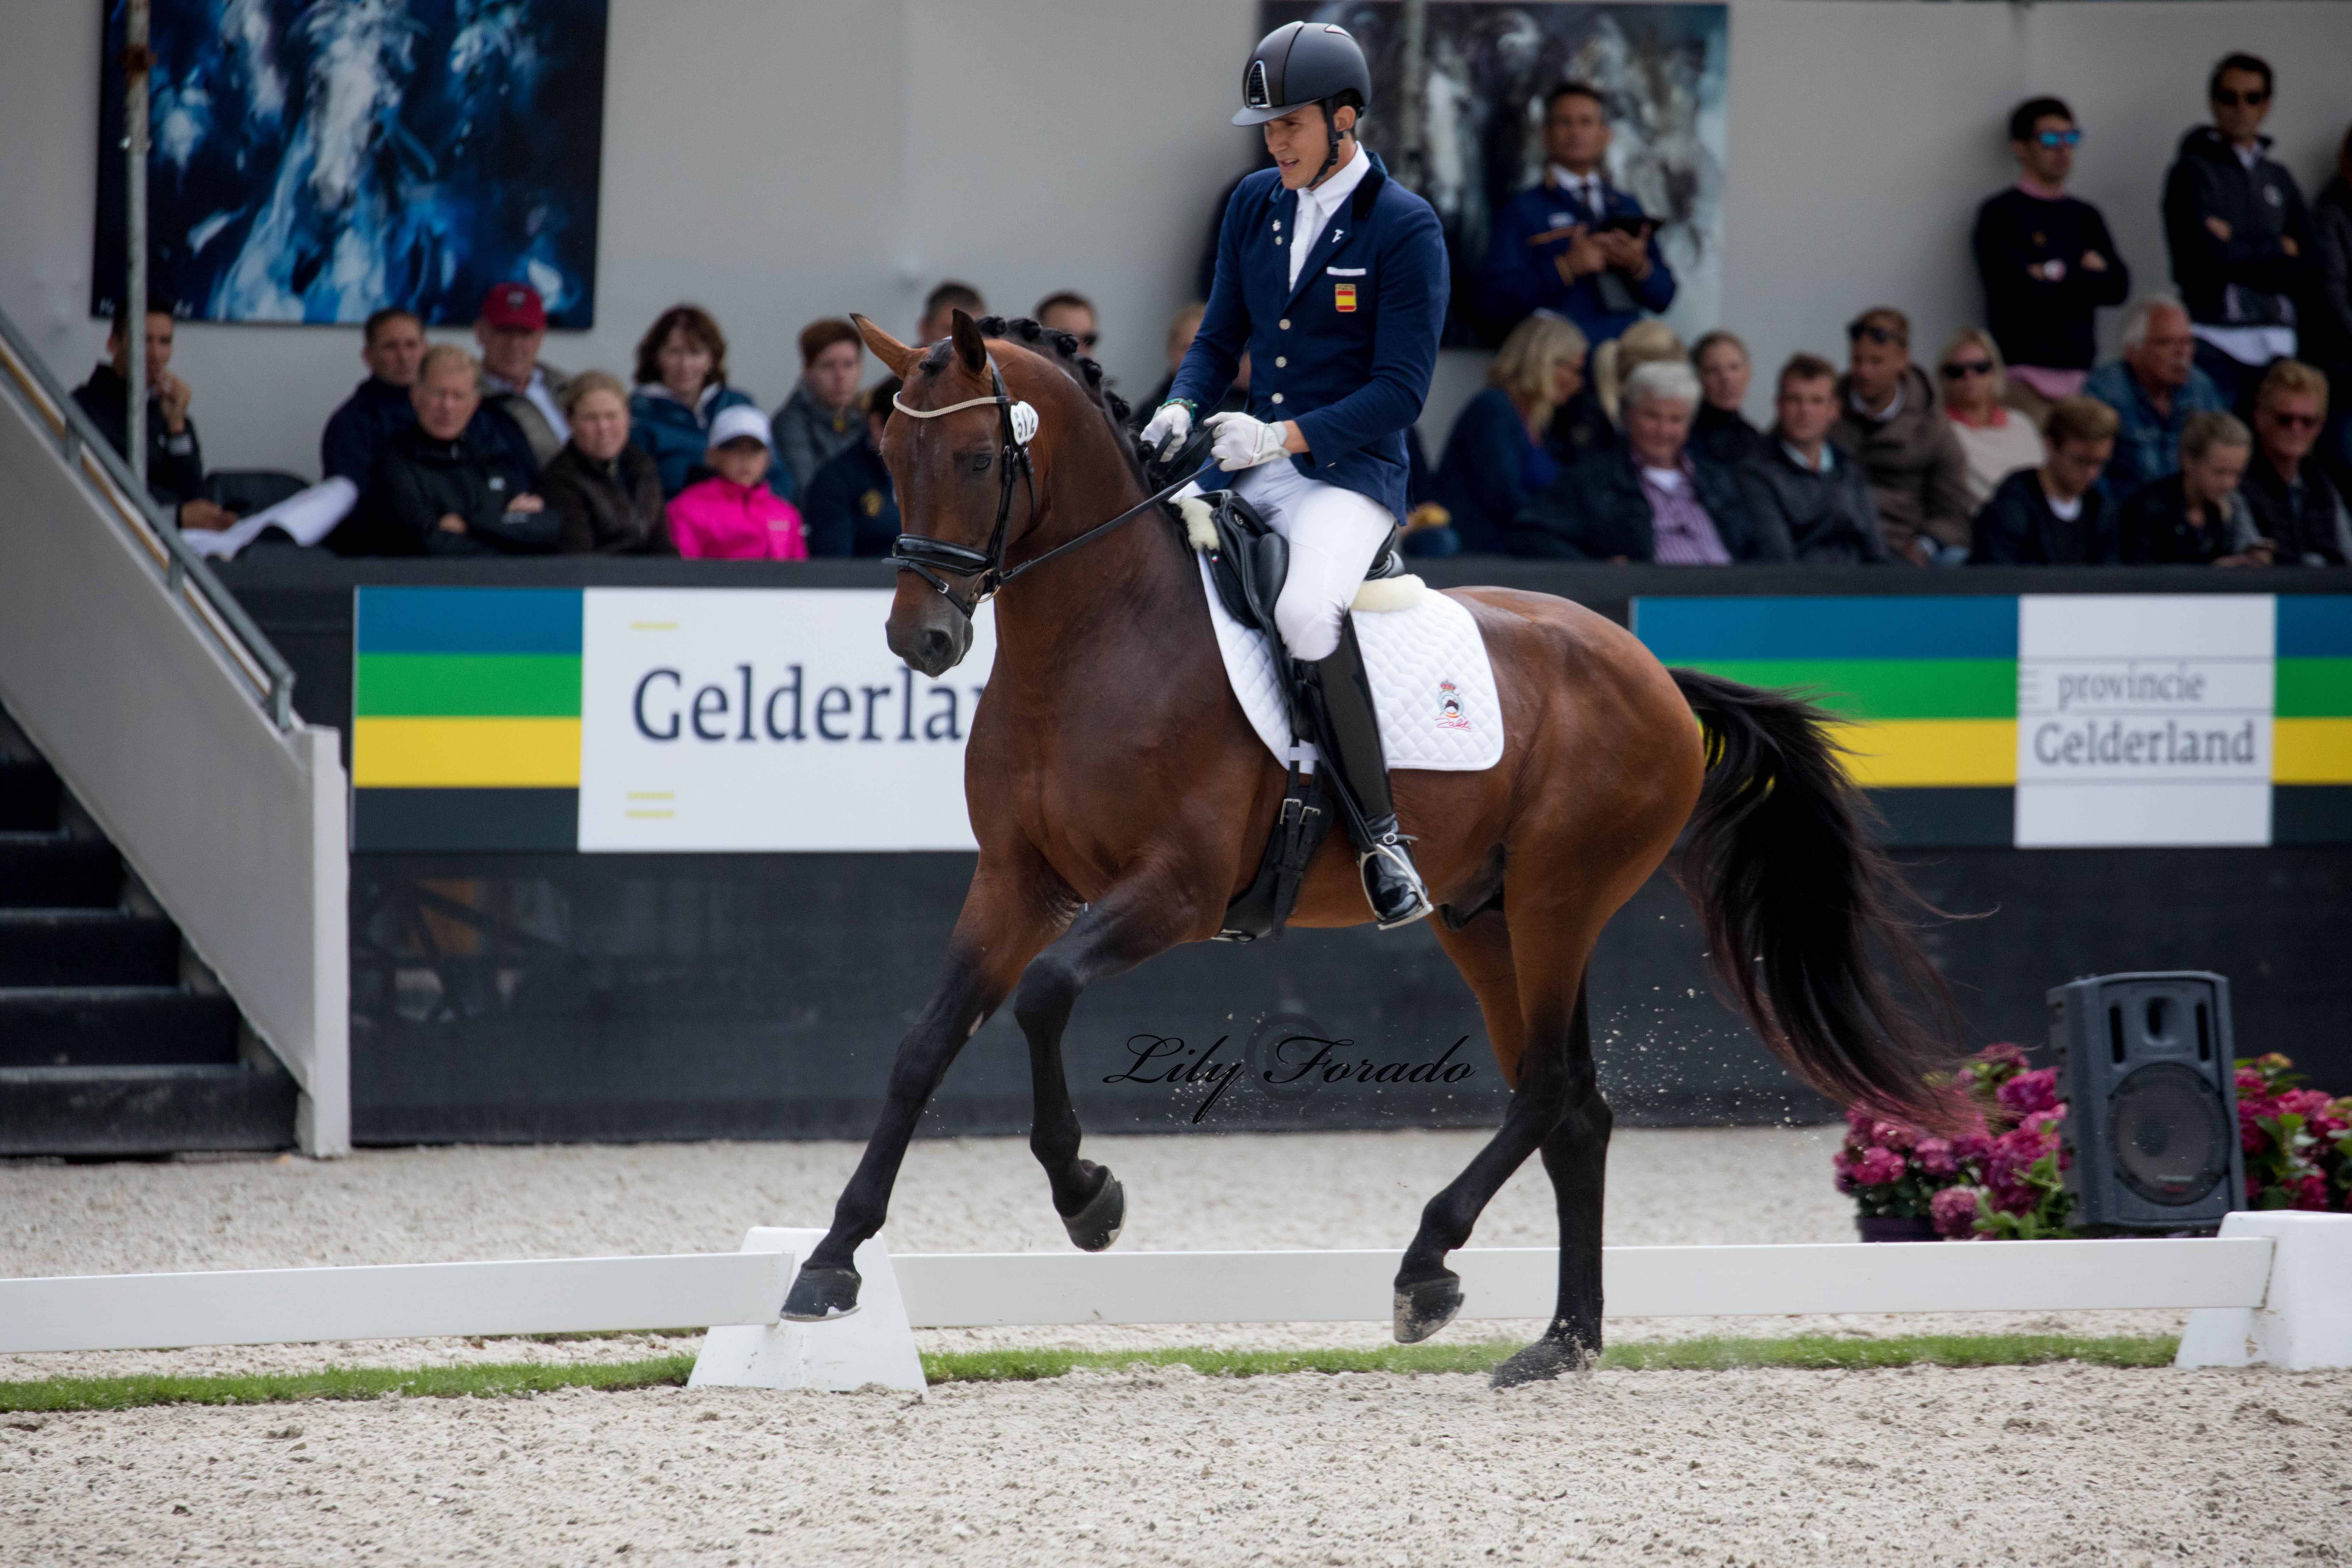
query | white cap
(738,421)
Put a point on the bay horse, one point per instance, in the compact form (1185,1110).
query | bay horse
(1121,800)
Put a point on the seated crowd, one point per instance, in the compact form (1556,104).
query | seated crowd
(2210,438)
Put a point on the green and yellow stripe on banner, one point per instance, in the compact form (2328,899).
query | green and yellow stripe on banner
(2310,734)
(1925,689)
(466,719)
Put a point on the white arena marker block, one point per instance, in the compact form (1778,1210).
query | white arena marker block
(871,1345)
(2305,1322)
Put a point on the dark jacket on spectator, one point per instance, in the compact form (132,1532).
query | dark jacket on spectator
(175,464)
(606,509)
(2039,320)
(2153,528)
(1580,426)
(1804,515)
(808,435)
(1597,510)
(1529,237)
(1724,435)
(417,480)
(1491,469)
(2326,339)
(676,436)
(2017,528)
(1918,475)
(2247,279)
(850,509)
(356,432)
(2304,521)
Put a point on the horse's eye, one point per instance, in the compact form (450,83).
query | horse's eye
(979,464)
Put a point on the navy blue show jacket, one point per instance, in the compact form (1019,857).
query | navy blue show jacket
(1349,353)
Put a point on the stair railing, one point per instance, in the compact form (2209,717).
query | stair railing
(186,580)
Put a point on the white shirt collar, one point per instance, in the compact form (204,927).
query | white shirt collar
(1332,193)
(1893,404)
(1827,463)
(1588,188)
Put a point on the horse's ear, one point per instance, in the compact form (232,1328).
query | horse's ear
(893,353)
(970,347)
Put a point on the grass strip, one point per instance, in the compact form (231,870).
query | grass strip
(1820,1352)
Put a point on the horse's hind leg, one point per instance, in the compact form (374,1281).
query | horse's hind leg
(1133,922)
(1006,917)
(1428,1293)
(1576,1157)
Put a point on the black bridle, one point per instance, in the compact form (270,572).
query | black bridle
(928,557)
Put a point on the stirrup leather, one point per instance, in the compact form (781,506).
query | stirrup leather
(1350,730)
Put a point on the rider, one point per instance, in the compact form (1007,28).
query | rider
(1332,278)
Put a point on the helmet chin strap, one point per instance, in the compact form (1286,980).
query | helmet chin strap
(1332,136)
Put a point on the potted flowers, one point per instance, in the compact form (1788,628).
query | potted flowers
(2000,1175)
(2298,1141)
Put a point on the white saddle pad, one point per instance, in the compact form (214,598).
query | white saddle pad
(1433,684)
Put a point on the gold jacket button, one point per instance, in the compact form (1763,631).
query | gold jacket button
(1278,397)
(1280,361)
(1284,323)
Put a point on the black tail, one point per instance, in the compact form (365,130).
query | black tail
(1793,894)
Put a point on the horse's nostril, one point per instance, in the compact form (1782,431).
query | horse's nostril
(935,645)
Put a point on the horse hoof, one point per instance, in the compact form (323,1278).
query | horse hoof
(1423,1308)
(819,1295)
(1541,1362)
(1096,1225)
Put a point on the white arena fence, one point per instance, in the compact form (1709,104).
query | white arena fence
(2272,1289)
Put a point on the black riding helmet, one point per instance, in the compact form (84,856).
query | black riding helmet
(1301,63)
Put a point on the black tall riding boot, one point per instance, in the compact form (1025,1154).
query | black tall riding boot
(1351,743)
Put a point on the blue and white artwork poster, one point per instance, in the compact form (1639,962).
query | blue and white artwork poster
(316,160)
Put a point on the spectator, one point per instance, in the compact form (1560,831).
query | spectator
(1575,244)
(2240,238)
(392,346)
(681,391)
(1072,313)
(604,491)
(1643,343)
(734,515)
(1891,424)
(2055,515)
(1810,502)
(823,415)
(2155,389)
(852,509)
(175,459)
(1496,458)
(510,330)
(1181,329)
(1650,500)
(433,492)
(2295,505)
(939,307)
(1996,440)
(1721,429)
(2196,517)
(2328,331)
(2046,261)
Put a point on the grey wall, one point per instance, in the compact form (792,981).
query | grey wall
(778,159)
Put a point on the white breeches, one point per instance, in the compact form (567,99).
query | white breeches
(1334,534)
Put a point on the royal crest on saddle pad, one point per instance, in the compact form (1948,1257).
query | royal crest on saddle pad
(1429,645)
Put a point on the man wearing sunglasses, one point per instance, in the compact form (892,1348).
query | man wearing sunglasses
(2236,223)
(1072,313)
(2046,260)
(2293,504)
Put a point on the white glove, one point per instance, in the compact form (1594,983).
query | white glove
(1242,442)
(1168,430)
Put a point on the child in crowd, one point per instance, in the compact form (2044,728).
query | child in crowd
(734,515)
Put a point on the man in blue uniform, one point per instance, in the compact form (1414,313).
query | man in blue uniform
(1575,245)
(1332,278)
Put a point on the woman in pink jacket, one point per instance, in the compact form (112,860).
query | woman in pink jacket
(734,515)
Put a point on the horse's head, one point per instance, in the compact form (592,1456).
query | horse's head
(962,499)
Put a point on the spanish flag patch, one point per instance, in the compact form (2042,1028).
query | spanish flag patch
(1343,296)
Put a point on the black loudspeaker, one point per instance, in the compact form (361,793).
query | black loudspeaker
(2146,1069)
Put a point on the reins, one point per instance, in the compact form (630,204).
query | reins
(927,556)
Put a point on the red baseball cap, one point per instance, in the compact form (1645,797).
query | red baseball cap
(515,305)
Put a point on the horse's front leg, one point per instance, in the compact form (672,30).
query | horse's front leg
(1009,913)
(1137,920)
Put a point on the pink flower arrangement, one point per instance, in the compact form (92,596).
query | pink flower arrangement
(2297,1142)
(2001,1175)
